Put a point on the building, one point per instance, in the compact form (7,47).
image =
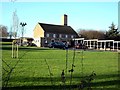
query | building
(46,33)
(27,40)
(99,44)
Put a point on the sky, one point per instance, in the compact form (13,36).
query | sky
(81,15)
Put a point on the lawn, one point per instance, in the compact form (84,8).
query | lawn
(31,68)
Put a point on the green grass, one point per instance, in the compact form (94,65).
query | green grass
(31,70)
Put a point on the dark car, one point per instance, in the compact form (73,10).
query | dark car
(60,45)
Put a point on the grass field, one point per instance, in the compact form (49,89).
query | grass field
(31,70)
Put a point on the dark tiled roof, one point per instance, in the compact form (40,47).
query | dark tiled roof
(50,28)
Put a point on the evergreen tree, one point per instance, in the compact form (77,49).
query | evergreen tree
(113,33)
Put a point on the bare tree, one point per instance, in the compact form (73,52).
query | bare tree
(15,26)
(91,34)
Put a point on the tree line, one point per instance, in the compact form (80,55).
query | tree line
(4,32)
(111,34)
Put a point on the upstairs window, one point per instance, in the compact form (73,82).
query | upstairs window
(72,36)
(54,35)
(63,36)
(60,35)
(66,36)
(48,35)
(51,35)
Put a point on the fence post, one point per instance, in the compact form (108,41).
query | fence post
(14,49)
(17,50)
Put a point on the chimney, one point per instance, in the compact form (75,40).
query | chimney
(64,20)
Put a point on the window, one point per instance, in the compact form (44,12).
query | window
(72,36)
(47,35)
(46,41)
(54,35)
(51,35)
(66,36)
(57,35)
(63,35)
(60,36)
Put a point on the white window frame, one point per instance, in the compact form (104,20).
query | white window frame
(60,35)
(66,36)
(47,35)
(54,35)
(72,36)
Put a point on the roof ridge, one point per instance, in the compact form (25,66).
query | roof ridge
(52,24)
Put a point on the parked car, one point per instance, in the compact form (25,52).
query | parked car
(60,45)
(81,46)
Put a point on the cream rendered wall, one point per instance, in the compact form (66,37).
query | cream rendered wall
(38,33)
